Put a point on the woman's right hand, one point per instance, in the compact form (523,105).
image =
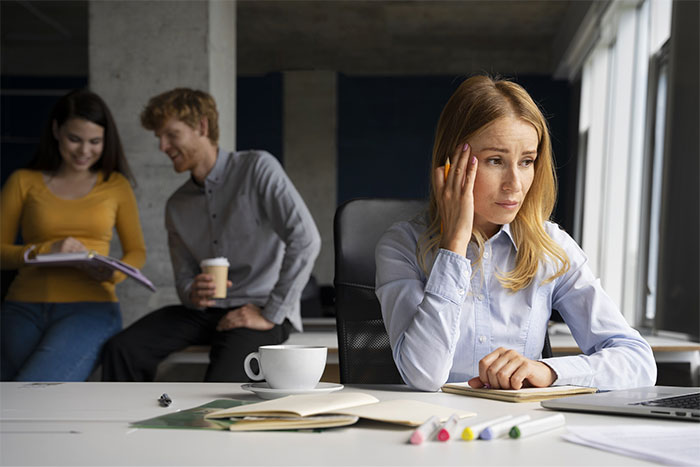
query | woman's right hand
(67,245)
(455,199)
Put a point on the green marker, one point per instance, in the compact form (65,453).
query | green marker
(537,426)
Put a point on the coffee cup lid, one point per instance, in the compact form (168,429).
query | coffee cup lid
(220,261)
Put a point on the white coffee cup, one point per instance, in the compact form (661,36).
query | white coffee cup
(288,366)
(218,268)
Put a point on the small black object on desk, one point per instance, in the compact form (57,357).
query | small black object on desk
(165,400)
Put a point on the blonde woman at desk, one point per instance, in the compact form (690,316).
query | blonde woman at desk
(467,289)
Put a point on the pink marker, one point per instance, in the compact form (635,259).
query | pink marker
(449,429)
(426,430)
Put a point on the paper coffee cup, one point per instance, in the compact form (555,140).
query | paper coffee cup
(218,268)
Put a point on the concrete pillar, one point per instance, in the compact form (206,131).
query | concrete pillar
(138,49)
(310,152)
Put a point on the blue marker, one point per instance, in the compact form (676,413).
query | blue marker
(502,428)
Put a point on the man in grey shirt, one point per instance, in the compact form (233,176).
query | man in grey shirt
(239,205)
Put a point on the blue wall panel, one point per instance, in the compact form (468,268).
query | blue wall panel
(259,113)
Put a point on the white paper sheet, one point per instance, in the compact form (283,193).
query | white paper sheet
(670,445)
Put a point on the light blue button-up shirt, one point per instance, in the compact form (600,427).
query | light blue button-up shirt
(440,326)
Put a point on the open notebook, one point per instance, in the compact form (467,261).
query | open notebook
(334,409)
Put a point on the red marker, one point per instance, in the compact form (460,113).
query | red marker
(449,429)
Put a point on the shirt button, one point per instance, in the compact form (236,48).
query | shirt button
(460,291)
(480,297)
(214,216)
(482,339)
(486,255)
(215,242)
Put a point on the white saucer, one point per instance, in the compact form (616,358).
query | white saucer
(263,391)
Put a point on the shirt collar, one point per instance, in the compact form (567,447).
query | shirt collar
(505,231)
(217,172)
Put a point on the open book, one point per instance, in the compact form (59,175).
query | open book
(87,260)
(517,395)
(328,410)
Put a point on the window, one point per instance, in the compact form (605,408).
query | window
(613,220)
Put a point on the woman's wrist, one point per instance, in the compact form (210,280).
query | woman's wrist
(456,245)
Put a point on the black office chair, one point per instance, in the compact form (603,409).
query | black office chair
(363,343)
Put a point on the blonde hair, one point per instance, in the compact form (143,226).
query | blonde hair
(184,104)
(478,102)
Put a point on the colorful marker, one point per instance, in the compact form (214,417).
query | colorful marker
(502,428)
(449,429)
(473,432)
(426,431)
(537,426)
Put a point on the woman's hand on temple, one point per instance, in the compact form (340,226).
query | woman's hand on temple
(507,369)
(455,197)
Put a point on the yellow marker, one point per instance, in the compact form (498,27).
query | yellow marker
(447,171)
(473,431)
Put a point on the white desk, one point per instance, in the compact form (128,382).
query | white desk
(88,424)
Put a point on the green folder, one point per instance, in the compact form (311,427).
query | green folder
(194,417)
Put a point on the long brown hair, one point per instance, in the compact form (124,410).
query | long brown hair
(89,106)
(478,102)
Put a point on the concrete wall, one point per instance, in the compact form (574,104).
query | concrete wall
(310,152)
(140,49)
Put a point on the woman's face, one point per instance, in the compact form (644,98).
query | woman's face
(506,151)
(80,143)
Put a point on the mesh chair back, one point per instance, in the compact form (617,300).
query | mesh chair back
(363,344)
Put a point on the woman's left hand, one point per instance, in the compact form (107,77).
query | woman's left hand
(97,272)
(102,273)
(507,369)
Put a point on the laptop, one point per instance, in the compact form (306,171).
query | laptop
(655,401)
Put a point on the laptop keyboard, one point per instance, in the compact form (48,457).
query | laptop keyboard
(686,401)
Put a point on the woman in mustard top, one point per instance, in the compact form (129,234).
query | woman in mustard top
(55,319)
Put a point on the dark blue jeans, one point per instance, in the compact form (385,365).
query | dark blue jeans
(54,341)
